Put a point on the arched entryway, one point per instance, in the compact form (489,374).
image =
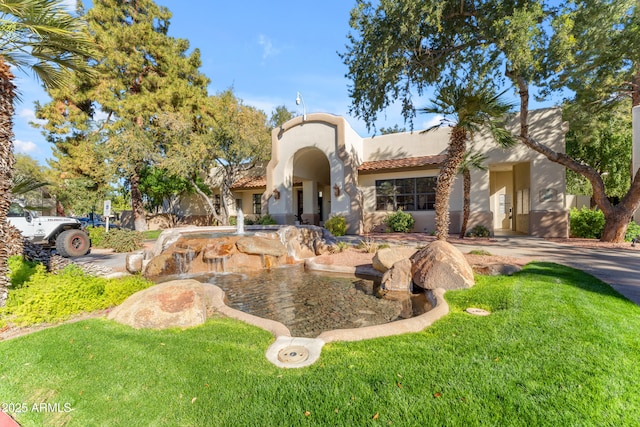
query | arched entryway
(311,186)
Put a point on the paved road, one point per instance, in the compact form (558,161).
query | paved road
(618,267)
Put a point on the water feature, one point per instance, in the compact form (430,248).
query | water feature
(240,222)
(310,303)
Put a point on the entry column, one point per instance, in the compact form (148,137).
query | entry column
(310,203)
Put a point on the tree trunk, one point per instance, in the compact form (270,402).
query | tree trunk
(466,210)
(617,217)
(448,172)
(211,207)
(7,95)
(137,205)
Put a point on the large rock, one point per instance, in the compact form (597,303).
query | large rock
(441,265)
(385,258)
(179,303)
(134,262)
(398,277)
(255,245)
(162,265)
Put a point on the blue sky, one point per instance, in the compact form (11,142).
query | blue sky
(266,50)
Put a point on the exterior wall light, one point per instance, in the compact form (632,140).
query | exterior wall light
(300,99)
(336,190)
(276,194)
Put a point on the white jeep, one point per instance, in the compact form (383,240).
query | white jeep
(65,234)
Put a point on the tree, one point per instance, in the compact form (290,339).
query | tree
(471,160)
(399,48)
(232,138)
(467,110)
(29,181)
(142,74)
(41,37)
(279,116)
(603,140)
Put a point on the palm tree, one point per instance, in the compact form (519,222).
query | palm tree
(42,37)
(470,161)
(466,109)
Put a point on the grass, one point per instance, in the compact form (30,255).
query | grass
(560,348)
(152,234)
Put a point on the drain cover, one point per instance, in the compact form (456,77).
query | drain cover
(293,354)
(477,311)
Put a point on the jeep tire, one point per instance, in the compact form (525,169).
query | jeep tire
(72,243)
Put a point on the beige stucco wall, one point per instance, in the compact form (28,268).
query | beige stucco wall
(342,146)
(304,148)
(406,144)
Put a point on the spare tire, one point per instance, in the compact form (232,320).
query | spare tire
(73,243)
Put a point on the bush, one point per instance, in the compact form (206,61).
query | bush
(339,247)
(20,270)
(586,223)
(337,225)
(478,231)
(400,221)
(122,240)
(632,232)
(48,297)
(265,220)
(368,245)
(96,234)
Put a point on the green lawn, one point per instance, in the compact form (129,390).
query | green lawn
(560,349)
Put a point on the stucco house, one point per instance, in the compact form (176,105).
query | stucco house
(321,167)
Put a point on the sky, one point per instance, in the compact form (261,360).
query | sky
(268,51)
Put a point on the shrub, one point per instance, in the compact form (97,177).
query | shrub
(121,240)
(48,297)
(20,270)
(265,220)
(632,232)
(586,223)
(368,245)
(337,225)
(400,221)
(96,234)
(478,231)
(339,247)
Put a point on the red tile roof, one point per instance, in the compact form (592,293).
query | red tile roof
(409,162)
(250,182)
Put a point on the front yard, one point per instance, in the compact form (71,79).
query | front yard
(560,348)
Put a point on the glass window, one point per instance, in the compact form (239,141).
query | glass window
(408,194)
(257,204)
(15,210)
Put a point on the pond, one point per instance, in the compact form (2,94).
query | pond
(309,303)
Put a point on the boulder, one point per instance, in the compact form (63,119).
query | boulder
(385,258)
(398,277)
(441,265)
(179,303)
(134,262)
(255,245)
(163,264)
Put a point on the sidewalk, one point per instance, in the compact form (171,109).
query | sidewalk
(619,267)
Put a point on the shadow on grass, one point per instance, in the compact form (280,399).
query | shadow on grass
(572,277)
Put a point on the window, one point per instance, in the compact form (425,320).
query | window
(257,204)
(408,194)
(238,204)
(216,203)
